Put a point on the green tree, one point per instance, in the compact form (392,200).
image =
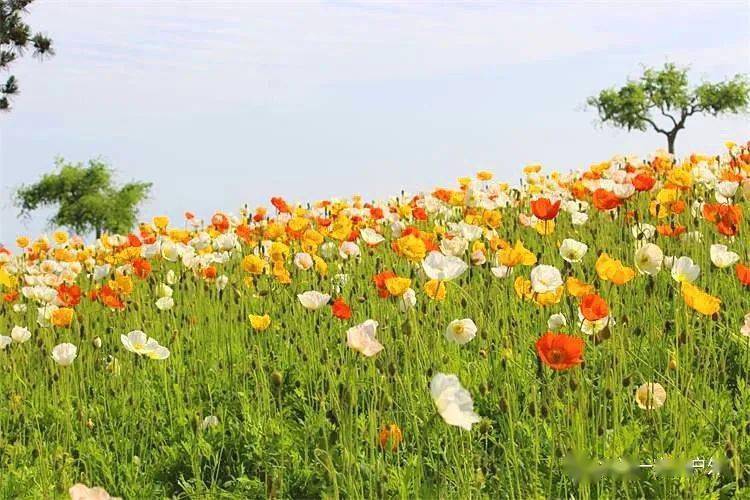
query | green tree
(15,38)
(663,100)
(86,197)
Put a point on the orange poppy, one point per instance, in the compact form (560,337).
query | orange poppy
(220,222)
(280,204)
(726,217)
(380,280)
(560,351)
(141,268)
(605,200)
(743,274)
(643,182)
(544,209)
(69,295)
(670,231)
(593,307)
(340,309)
(390,434)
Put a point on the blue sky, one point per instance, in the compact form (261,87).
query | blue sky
(225,103)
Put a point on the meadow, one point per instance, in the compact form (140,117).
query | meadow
(582,335)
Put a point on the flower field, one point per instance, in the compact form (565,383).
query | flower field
(581,335)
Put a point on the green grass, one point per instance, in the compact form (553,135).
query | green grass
(299,412)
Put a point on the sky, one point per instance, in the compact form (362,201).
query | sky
(221,104)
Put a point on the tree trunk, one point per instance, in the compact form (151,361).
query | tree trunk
(670,142)
(98,233)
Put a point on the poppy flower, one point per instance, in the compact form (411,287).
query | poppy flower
(544,209)
(643,182)
(141,268)
(220,222)
(605,200)
(390,434)
(593,307)
(743,274)
(380,280)
(62,317)
(280,204)
(340,309)
(560,351)
(68,295)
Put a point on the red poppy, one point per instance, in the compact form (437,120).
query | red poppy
(141,268)
(220,222)
(376,213)
(69,295)
(244,232)
(10,296)
(726,217)
(670,231)
(560,351)
(110,298)
(280,204)
(340,309)
(210,273)
(743,274)
(419,213)
(380,280)
(593,307)
(643,182)
(544,209)
(133,240)
(605,200)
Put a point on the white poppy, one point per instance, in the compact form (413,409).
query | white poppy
(501,271)
(643,231)
(453,402)
(313,299)
(556,322)
(221,282)
(20,334)
(142,345)
(650,396)
(163,290)
(545,279)
(169,251)
(443,267)
(64,354)
(685,270)
(478,258)
(408,300)
(165,303)
(455,246)
(461,331)
(649,259)
(303,261)
(371,237)
(209,422)
(5,341)
(594,327)
(579,218)
(171,277)
(745,330)
(725,191)
(722,257)
(361,338)
(572,250)
(349,249)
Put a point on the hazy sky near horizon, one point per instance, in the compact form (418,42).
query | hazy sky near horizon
(224,103)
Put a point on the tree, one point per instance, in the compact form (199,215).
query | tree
(86,197)
(665,93)
(15,37)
